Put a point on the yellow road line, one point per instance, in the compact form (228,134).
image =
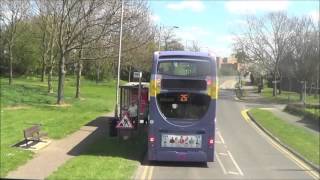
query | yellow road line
(244,114)
(284,151)
(150,173)
(144,173)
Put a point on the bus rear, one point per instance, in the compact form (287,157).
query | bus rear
(182,107)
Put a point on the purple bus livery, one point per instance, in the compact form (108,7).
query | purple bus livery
(182,108)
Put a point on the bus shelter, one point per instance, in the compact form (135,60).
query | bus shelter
(133,110)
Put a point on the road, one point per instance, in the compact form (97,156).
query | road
(242,152)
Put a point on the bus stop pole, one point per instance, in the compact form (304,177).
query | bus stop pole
(139,101)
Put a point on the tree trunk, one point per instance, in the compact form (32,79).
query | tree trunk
(60,98)
(98,74)
(280,79)
(129,78)
(274,92)
(43,70)
(10,65)
(50,89)
(79,69)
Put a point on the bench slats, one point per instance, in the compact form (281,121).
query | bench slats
(33,133)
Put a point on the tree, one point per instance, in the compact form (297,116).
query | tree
(12,12)
(81,18)
(265,42)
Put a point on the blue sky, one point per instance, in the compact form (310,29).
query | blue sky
(212,23)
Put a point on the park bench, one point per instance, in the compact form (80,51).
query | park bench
(33,133)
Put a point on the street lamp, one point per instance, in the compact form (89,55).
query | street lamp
(171,27)
(119,61)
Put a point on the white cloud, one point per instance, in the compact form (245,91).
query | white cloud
(251,7)
(192,33)
(155,18)
(227,39)
(220,51)
(193,5)
(314,16)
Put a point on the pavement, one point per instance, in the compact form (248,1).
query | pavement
(242,151)
(48,159)
(253,99)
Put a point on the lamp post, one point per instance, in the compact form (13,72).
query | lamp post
(160,28)
(119,61)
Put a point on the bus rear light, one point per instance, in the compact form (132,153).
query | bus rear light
(211,141)
(209,81)
(151,139)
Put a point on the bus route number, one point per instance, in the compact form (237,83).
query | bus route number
(184,97)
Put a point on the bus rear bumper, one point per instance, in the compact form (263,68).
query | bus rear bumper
(188,156)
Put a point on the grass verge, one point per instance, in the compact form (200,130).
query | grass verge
(302,141)
(27,102)
(287,97)
(107,158)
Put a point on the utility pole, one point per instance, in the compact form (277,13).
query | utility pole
(119,61)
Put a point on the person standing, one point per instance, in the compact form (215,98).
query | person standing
(133,113)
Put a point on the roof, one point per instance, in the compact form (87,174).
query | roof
(184,53)
(135,84)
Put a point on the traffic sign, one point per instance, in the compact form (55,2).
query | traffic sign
(137,75)
(125,122)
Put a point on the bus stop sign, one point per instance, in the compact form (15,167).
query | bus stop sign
(125,123)
(137,75)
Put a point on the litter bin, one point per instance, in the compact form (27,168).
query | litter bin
(112,127)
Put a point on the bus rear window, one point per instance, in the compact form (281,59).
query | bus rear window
(184,68)
(183,106)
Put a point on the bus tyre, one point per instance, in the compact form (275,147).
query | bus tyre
(112,127)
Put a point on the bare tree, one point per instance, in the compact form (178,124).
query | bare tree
(48,15)
(12,13)
(78,18)
(265,42)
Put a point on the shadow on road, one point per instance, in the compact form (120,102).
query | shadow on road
(179,164)
(98,143)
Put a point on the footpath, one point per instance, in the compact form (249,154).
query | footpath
(254,99)
(48,159)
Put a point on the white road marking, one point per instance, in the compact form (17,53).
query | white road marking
(235,163)
(223,154)
(221,165)
(218,142)
(221,138)
(232,172)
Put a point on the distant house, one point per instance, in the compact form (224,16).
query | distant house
(230,62)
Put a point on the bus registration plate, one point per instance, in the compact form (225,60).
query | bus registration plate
(181,141)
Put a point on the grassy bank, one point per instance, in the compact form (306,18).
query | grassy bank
(107,158)
(27,102)
(287,97)
(302,141)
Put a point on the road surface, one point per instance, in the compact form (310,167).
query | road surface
(242,152)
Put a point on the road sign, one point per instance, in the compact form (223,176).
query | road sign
(137,75)
(125,122)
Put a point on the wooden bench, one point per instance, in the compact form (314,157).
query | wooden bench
(33,133)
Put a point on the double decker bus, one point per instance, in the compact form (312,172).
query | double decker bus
(182,108)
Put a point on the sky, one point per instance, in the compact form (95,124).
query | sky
(213,23)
